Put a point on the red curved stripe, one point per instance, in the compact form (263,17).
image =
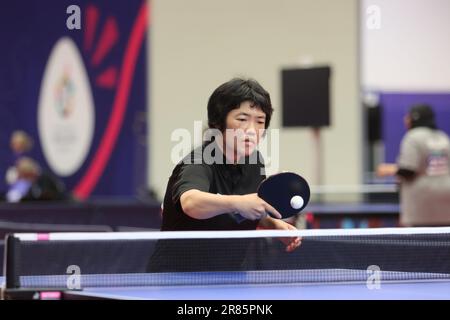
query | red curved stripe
(91,26)
(101,157)
(107,79)
(108,39)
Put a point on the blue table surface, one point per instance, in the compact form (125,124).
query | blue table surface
(435,290)
(322,284)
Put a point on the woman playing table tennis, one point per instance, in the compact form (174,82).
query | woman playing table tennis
(214,187)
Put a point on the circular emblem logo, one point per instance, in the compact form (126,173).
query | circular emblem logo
(66,114)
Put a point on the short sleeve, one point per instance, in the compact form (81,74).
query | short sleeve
(191,176)
(409,157)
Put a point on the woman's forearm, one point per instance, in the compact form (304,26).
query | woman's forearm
(204,205)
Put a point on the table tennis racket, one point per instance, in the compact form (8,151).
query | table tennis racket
(287,192)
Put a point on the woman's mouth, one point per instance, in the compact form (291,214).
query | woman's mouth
(249,143)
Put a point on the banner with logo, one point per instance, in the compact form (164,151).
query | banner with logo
(73,76)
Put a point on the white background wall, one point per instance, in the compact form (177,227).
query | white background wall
(411,50)
(197,45)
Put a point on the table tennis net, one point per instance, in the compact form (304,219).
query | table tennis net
(225,257)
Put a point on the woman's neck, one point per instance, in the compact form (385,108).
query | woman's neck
(231,155)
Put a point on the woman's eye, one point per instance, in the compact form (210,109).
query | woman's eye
(242,119)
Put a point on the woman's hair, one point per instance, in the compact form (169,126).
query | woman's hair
(230,95)
(422,115)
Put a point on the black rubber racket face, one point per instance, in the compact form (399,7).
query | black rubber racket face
(278,190)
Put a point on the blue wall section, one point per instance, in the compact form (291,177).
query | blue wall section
(396,105)
(28,32)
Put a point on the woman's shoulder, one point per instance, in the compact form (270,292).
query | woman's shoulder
(425,136)
(424,131)
(419,133)
(195,160)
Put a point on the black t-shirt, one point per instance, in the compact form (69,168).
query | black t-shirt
(196,171)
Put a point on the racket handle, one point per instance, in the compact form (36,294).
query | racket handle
(236,216)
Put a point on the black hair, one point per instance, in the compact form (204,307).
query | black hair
(230,95)
(422,115)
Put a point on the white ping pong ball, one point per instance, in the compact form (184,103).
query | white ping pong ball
(297,202)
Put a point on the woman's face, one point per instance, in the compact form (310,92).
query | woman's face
(245,127)
(407,121)
(19,144)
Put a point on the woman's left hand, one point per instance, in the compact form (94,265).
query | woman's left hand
(291,243)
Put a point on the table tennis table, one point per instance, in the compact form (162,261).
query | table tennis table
(412,289)
(280,285)
(419,289)
(368,264)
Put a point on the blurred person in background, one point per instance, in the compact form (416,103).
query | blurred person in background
(21,144)
(34,184)
(423,169)
(26,173)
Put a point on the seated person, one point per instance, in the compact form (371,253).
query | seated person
(34,184)
(27,172)
(20,144)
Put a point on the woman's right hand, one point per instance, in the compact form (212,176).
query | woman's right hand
(386,169)
(252,207)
